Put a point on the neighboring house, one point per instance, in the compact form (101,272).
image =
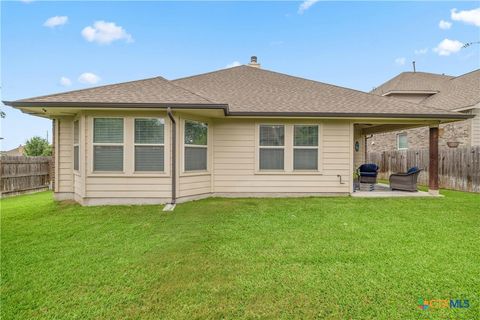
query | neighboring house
(242,131)
(460,93)
(18,151)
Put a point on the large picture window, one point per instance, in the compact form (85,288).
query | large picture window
(149,144)
(272,147)
(108,144)
(305,147)
(195,141)
(76,145)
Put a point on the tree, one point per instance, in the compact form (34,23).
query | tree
(37,146)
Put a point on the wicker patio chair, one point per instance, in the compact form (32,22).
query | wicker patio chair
(405,181)
(367,173)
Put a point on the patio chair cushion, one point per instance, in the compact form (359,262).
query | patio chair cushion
(413,170)
(368,167)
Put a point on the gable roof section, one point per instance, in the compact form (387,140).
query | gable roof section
(147,91)
(413,82)
(457,93)
(242,91)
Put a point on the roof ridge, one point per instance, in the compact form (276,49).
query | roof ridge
(209,72)
(86,89)
(465,74)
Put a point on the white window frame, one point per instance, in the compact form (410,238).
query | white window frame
(398,140)
(317,147)
(135,144)
(260,147)
(76,145)
(107,144)
(185,145)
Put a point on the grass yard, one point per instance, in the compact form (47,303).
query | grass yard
(332,258)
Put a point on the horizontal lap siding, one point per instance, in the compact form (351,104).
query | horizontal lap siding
(234,161)
(65,156)
(194,185)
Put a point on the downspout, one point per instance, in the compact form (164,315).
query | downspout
(174,155)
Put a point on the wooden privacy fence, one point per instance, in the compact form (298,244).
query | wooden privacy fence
(20,174)
(458,168)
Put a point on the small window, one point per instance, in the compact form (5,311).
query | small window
(305,147)
(272,147)
(402,141)
(76,145)
(149,144)
(108,144)
(196,141)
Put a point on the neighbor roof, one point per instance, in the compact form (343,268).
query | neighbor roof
(457,93)
(413,82)
(242,91)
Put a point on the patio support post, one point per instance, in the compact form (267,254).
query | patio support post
(433,161)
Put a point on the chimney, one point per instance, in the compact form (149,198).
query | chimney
(253,62)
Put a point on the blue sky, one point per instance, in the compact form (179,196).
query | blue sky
(354,44)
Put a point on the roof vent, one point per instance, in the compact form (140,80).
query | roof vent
(253,62)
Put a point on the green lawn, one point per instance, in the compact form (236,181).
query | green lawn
(331,258)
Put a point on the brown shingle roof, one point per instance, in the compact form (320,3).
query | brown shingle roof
(457,93)
(413,81)
(152,90)
(250,90)
(242,90)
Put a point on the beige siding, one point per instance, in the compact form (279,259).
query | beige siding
(235,161)
(358,156)
(65,155)
(476,127)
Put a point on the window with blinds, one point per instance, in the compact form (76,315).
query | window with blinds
(149,144)
(305,147)
(76,145)
(108,144)
(196,150)
(402,141)
(272,147)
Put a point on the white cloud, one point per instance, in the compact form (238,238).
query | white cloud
(421,51)
(66,82)
(233,64)
(466,16)
(26,1)
(400,61)
(444,25)
(89,78)
(306,5)
(447,47)
(105,33)
(55,21)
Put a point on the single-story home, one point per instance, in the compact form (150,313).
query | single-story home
(242,131)
(460,94)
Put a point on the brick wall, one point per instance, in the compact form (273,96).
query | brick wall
(418,137)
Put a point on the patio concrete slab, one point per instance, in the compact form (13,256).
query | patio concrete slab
(383,191)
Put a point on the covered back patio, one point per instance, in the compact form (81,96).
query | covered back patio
(371,187)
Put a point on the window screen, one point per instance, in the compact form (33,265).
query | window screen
(76,148)
(272,153)
(149,144)
(108,158)
(402,141)
(305,147)
(196,151)
(108,144)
